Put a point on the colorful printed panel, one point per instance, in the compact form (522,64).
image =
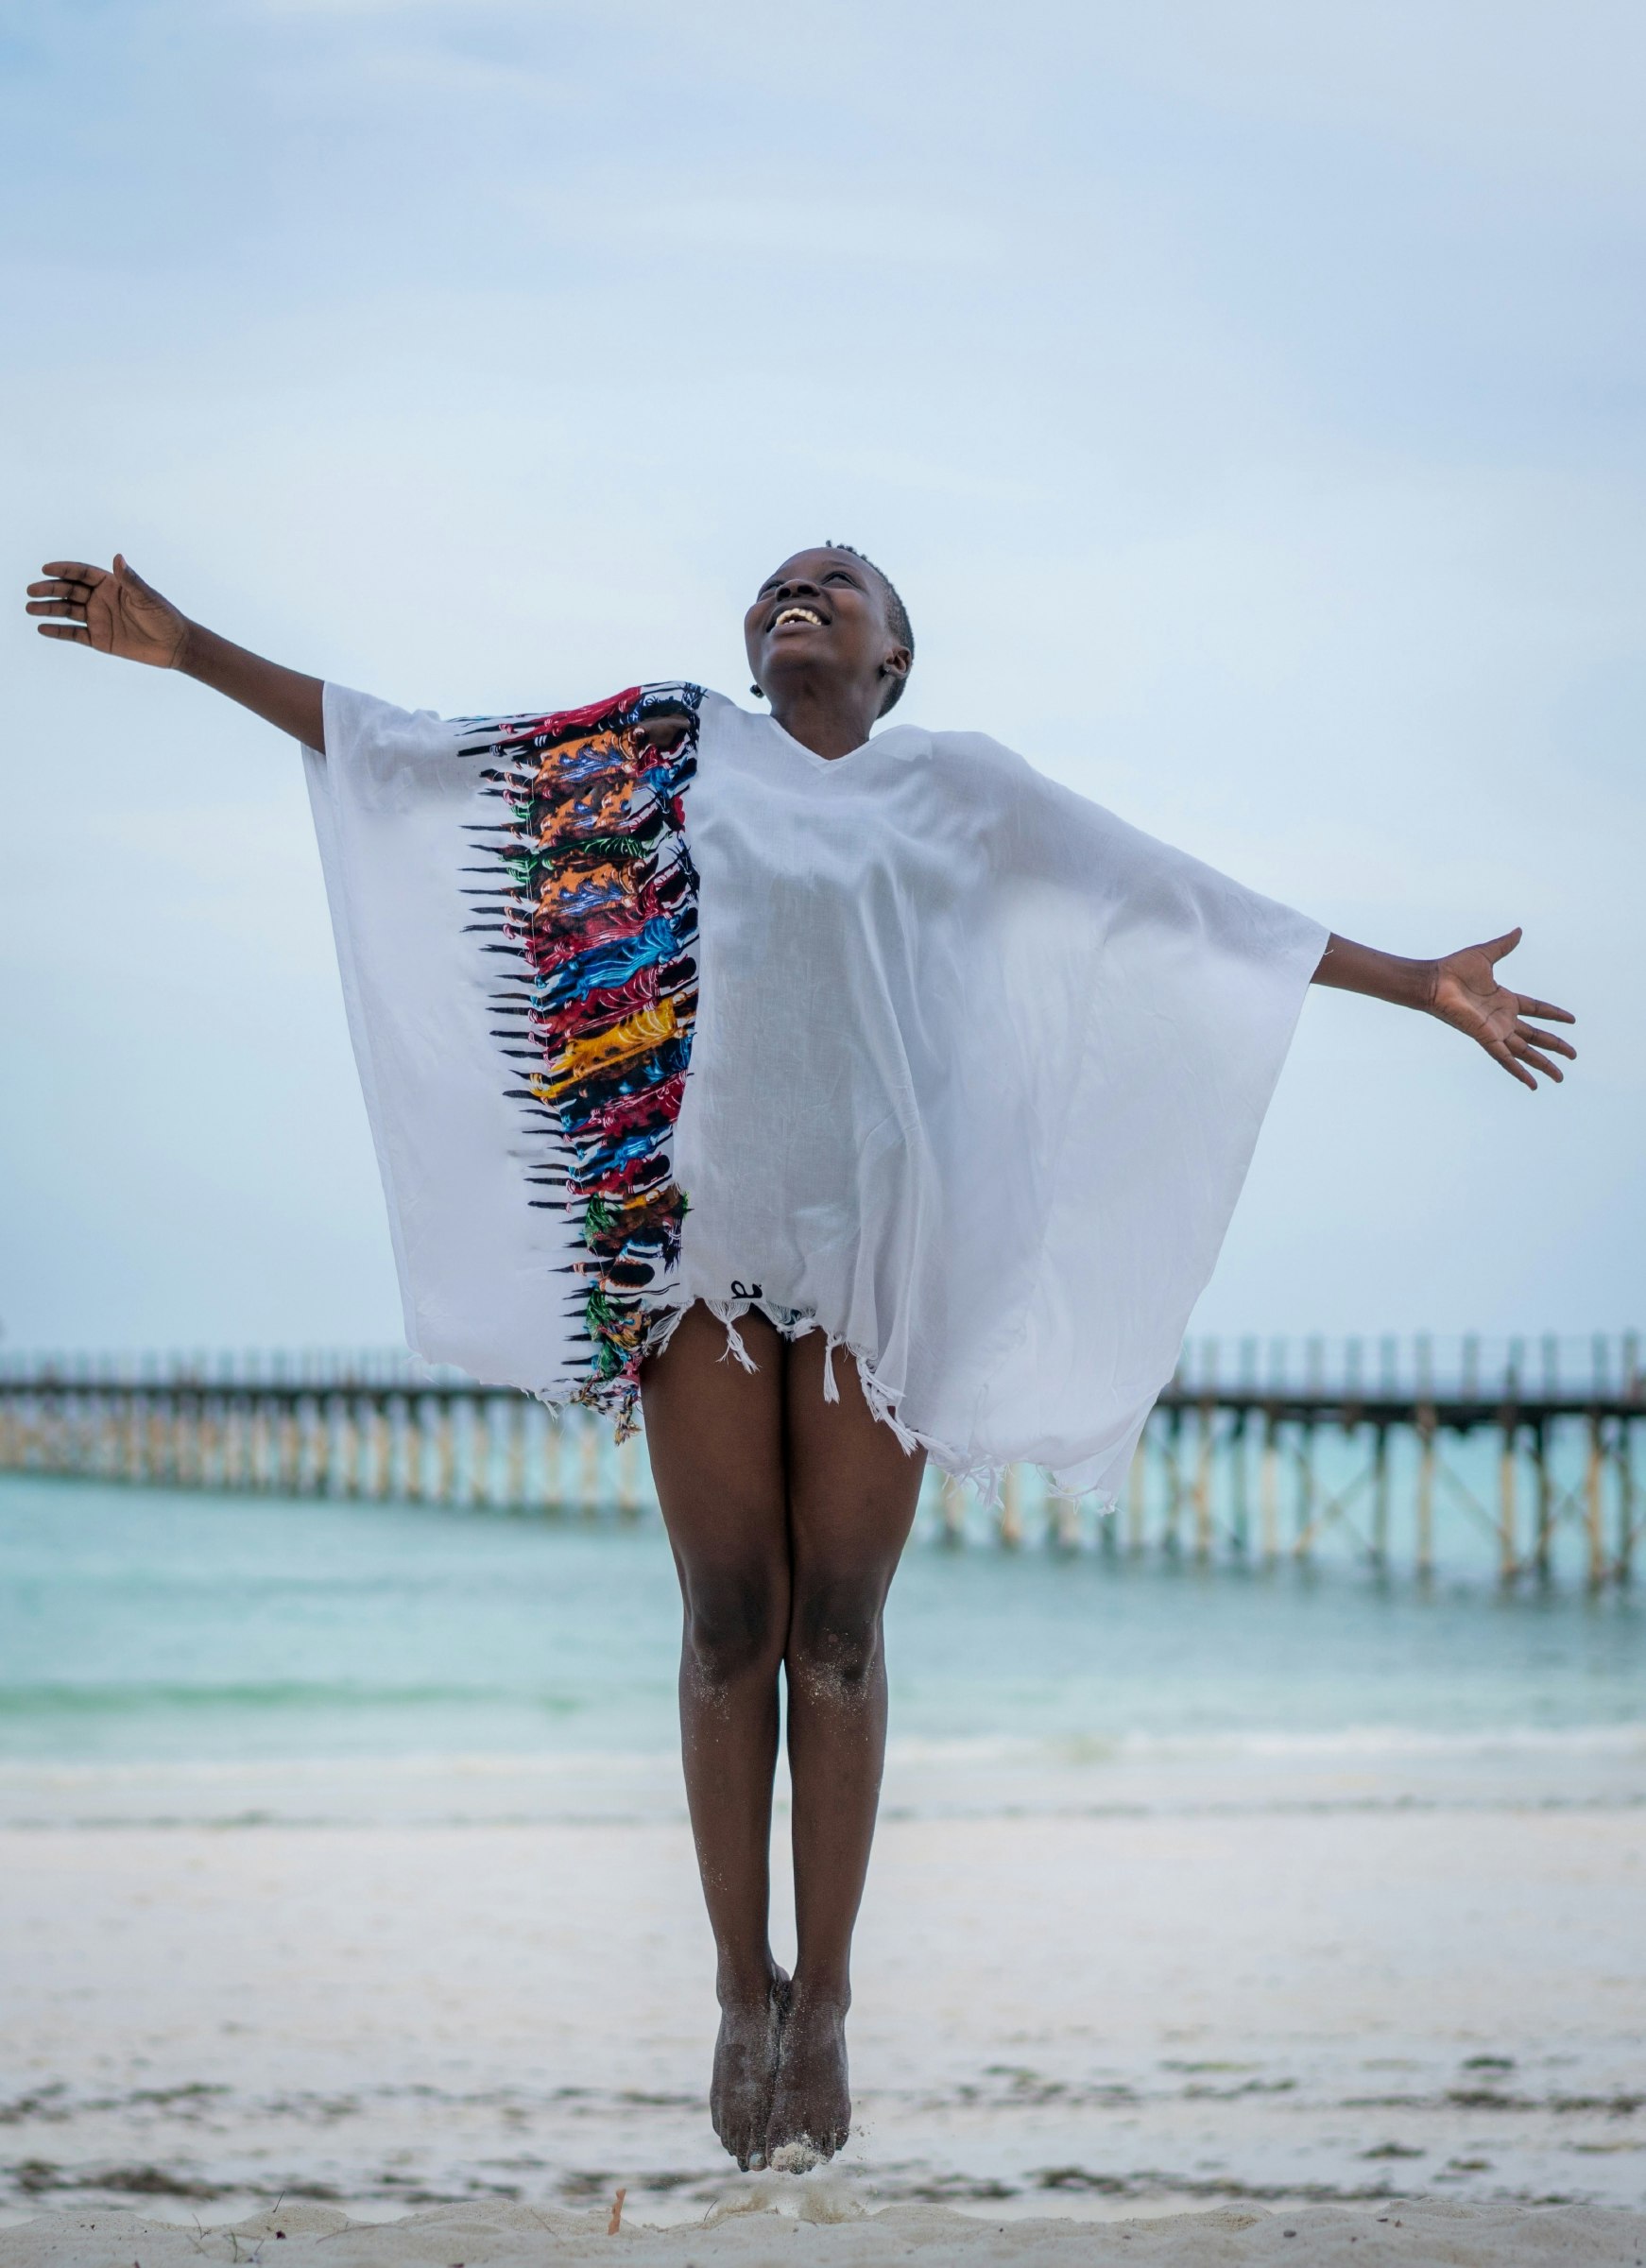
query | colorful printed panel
(597,911)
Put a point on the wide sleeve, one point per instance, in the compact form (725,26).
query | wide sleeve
(515,911)
(1142,1006)
(399,812)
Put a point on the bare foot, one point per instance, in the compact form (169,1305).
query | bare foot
(745,2070)
(811,2115)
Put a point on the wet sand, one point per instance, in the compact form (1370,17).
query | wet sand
(1418,2235)
(1099,2017)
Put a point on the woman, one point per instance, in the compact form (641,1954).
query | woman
(975,1075)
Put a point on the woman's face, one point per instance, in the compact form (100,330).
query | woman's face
(821,611)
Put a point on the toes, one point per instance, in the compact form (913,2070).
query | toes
(745,2076)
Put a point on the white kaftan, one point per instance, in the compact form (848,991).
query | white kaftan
(915,1046)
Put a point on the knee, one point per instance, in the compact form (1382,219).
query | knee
(734,1625)
(834,1631)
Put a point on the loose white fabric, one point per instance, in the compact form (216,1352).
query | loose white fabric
(975,1078)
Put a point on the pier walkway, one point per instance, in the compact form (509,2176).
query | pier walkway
(1524,1456)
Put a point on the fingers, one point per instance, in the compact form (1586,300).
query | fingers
(76,571)
(67,595)
(1551,1039)
(1499,1053)
(60,586)
(1522,1060)
(1500,946)
(73,609)
(1543,1007)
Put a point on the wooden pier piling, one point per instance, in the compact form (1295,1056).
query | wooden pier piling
(1528,1472)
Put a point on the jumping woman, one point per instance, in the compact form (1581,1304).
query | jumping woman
(844,1098)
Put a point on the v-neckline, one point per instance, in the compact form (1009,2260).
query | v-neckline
(831,763)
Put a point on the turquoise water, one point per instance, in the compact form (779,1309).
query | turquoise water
(139,1627)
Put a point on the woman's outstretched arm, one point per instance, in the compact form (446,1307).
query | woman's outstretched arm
(1462,990)
(114,610)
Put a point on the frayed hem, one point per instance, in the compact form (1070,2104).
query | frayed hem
(790,1324)
(619,1399)
(734,1348)
(986,1476)
(794,1323)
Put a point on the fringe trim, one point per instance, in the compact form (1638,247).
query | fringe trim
(618,1398)
(986,1477)
(790,1325)
(591,903)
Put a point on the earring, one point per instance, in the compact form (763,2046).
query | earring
(757,693)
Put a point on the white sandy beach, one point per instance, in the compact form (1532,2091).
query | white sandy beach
(831,2232)
(1314,2012)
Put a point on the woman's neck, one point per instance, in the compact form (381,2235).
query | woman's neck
(830,720)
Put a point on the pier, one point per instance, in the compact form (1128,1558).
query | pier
(1521,1457)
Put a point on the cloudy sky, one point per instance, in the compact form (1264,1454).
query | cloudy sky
(1245,394)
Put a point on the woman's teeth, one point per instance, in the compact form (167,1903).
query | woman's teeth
(798,614)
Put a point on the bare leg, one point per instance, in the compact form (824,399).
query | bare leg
(715,1435)
(853,1493)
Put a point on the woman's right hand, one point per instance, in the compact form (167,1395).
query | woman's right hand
(110,609)
(116,611)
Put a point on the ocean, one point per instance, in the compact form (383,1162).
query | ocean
(234,1635)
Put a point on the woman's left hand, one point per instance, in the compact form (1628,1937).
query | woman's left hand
(1468,997)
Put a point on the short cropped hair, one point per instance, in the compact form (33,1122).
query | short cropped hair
(902,629)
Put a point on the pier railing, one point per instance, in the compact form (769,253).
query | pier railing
(1430,1455)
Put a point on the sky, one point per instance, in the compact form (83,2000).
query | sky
(1244,395)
